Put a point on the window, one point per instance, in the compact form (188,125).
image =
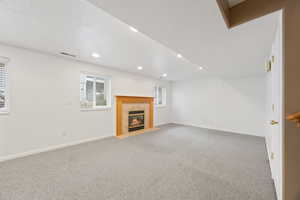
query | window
(160,96)
(3,89)
(94,92)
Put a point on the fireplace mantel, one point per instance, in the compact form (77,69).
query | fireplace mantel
(123,101)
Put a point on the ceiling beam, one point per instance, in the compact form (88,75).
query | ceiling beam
(224,8)
(252,9)
(248,10)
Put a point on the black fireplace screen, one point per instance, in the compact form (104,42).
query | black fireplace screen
(136,120)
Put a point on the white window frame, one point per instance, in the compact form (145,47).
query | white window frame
(164,96)
(5,110)
(107,85)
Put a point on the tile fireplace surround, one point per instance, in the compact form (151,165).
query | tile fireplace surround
(126,104)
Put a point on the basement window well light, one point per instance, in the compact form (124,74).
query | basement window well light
(95,92)
(3,89)
(160,96)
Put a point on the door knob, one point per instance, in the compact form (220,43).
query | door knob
(274,122)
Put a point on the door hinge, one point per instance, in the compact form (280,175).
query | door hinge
(269,66)
(272,155)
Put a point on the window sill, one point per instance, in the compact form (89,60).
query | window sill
(95,109)
(4,112)
(160,106)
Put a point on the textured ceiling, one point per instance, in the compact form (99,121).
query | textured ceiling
(194,29)
(197,30)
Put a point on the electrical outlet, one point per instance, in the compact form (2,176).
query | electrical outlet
(68,103)
(64,133)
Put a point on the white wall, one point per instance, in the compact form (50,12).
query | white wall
(237,105)
(44,103)
(45,112)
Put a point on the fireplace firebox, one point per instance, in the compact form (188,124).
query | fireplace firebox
(136,120)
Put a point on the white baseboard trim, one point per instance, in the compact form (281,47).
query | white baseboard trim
(51,148)
(218,129)
(269,158)
(161,124)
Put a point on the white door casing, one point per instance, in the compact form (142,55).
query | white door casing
(274,136)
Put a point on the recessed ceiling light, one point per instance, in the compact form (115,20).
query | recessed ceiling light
(164,75)
(140,68)
(200,68)
(96,55)
(179,56)
(133,29)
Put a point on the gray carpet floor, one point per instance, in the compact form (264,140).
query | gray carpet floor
(174,163)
